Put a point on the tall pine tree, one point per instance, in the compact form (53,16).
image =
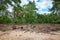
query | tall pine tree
(56,7)
(30,12)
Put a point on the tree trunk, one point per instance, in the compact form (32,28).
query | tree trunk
(14,21)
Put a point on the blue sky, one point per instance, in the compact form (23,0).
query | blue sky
(42,5)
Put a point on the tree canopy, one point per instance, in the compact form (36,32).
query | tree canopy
(27,13)
(56,7)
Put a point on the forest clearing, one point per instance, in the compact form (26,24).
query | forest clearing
(29,19)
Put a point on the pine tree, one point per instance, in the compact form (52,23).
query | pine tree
(16,7)
(30,12)
(56,7)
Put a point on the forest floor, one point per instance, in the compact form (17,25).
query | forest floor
(18,34)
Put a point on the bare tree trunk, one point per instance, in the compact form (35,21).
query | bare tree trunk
(14,21)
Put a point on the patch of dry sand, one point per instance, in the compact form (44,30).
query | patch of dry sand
(22,35)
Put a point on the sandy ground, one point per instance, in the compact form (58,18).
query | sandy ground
(22,35)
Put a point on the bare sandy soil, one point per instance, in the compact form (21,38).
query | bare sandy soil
(30,32)
(22,35)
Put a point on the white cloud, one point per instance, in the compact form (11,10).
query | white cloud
(10,8)
(24,2)
(43,4)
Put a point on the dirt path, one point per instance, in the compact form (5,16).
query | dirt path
(22,35)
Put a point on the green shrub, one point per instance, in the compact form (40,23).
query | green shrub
(5,19)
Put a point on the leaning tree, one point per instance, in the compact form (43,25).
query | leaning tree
(14,3)
(56,7)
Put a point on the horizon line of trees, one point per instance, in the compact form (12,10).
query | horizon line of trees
(27,13)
